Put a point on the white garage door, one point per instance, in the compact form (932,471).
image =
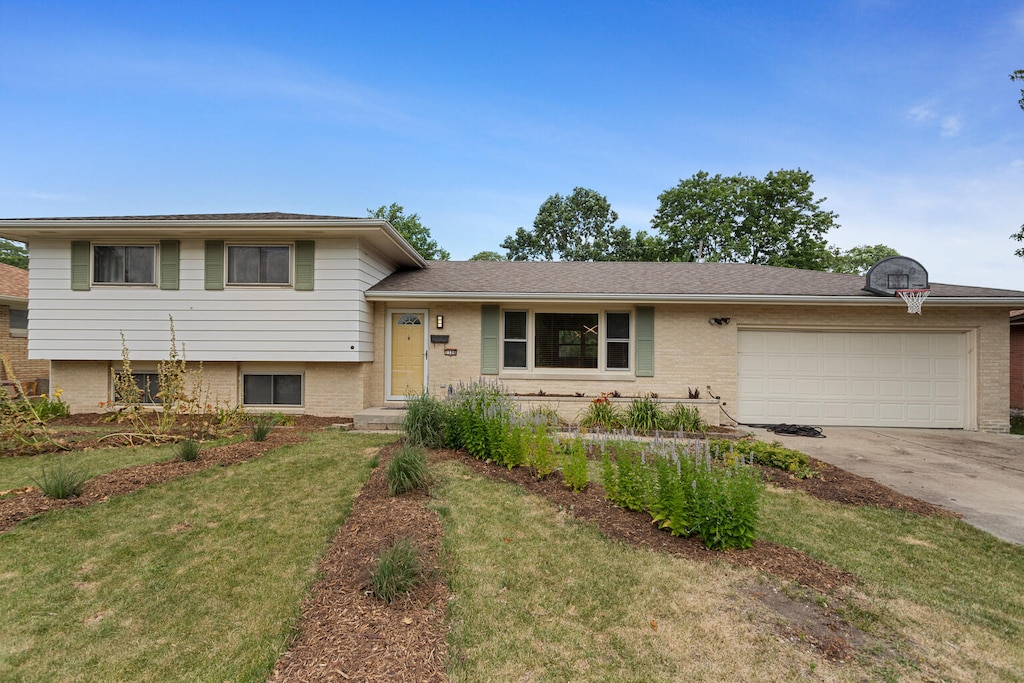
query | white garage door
(877,379)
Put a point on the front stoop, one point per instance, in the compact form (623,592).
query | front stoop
(379,419)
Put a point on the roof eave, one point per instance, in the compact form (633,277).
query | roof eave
(381,234)
(496,297)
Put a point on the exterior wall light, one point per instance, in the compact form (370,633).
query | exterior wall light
(440,322)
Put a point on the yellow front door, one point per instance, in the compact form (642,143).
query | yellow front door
(406,354)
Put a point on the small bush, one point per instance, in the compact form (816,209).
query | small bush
(50,407)
(684,418)
(574,464)
(643,415)
(64,482)
(426,421)
(769,454)
(396,572)
(601,413)
(188,450)
(261,426)
(407,470)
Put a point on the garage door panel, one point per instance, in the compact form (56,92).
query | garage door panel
(853,378)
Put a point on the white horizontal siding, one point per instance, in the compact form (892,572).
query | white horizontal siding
(332,323)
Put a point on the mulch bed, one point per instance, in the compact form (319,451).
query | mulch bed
(348,634)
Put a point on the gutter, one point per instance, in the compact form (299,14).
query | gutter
(563,297)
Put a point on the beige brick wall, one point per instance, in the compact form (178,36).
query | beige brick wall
(691,353)
(85,384)
(335,389)
(16,350)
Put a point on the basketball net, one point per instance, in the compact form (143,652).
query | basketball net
(914,298)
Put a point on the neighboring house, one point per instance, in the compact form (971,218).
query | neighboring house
(330,315)
(1017,360)
(14,330)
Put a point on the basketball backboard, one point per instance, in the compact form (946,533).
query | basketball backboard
(892,274)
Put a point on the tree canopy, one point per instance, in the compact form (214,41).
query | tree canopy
(858,260)
(1018,75)
(414,232)
(13,253)
(578,227)
(775,220)
(487,256)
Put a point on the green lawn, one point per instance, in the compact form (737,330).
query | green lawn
(198,579)
(19,471)
(202,578)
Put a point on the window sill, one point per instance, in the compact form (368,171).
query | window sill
(20,334)
(594,375)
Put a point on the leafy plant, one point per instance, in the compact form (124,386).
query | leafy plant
(685,418)
(601,413)
(643,415)
(396,572)
(24,421)
(426,421)
(574,463)
(407,470)
(49,407)
(188,450)
(261,426)
(63,482)
(772,454)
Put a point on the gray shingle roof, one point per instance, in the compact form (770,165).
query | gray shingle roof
(535,278)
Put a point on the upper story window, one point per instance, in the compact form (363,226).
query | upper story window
(124,264)
(259,265)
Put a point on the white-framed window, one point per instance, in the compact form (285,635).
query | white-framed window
(124,264)
(272,389)
(19,322)
(571,340)
(259,264)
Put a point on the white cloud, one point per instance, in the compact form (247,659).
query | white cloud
(951,126)
(921,113)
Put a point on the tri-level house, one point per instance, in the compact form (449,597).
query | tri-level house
(329,315)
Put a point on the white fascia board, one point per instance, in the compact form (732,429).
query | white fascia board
(375,231)
(505,297)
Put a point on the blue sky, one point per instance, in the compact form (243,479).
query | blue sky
(472,113)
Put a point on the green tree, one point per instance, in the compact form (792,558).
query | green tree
(13,253)
(1019,236)
(857,260)
(775,220)
(1018,75)
(487,256)
(578,227)
(414,232)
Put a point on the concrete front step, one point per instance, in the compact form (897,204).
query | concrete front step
(379,419)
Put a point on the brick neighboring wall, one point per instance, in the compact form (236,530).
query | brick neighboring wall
(1017,366)
(16,350)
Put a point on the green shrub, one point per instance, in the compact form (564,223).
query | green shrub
(684,418)
(64,482)
(407,470)
(188,450)
(426,421)
(50,407)
(643,415)
(627,480)
(481,422)
(574,463)
(396,572)
(601,413)
(261,426)
(769,454)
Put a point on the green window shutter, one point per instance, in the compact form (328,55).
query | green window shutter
(81,278)
(489,340)
(169,258)
(214,264)
(644,341)
(304,254)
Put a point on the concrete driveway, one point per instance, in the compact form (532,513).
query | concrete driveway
(979,475)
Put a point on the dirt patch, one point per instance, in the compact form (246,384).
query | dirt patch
(811,624)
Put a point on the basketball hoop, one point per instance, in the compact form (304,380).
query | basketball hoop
(914,298)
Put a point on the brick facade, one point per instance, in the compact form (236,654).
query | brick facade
(1017,365)
(16,349)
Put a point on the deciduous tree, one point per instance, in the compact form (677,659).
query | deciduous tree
(414,232)
(857,260)
(775,220)
(13,253)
